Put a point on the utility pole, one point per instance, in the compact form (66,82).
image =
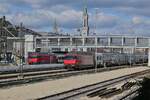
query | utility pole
(21,52)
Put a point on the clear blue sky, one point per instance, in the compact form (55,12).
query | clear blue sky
(114,16)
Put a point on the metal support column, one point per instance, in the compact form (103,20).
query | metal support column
(122,41)
(70,44)
(149,53)
(109,41)
(58,41)
(58,44)
(46,42)
(135,41)
(96,41)
(83,41)
(96,54)
(149,57)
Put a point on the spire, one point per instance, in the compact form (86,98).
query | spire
(85,27)
(85,8)
(55,28)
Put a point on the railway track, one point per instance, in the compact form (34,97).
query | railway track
(30,77)
(25,74)
(124,91)
(15,79)
(84,91)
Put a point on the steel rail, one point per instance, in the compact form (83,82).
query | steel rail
(15,75)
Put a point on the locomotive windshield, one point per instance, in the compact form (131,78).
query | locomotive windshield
(70,57)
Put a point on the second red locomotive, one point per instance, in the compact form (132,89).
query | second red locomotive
(41,58)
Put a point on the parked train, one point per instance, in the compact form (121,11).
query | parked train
(41,58)
(80,60)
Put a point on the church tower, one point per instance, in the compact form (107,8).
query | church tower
(85,26)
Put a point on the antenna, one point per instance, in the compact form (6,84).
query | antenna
(96,18)
(84,7)
(84,3)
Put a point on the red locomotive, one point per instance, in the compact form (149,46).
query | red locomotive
(41,58)
(71,60)
(78,60)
